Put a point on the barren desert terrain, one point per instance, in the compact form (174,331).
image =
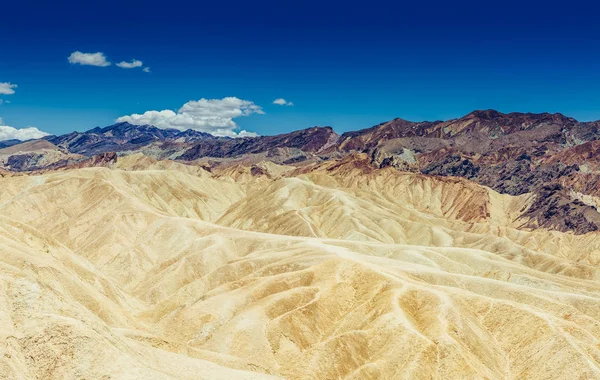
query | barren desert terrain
(157,270)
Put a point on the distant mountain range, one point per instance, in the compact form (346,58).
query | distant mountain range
(550,156)
(119,137)
(480,132)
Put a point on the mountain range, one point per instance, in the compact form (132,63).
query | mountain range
(550,156)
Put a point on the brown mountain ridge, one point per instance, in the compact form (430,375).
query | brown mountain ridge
(513,153)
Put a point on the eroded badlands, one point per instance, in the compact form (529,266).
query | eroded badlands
(157,270)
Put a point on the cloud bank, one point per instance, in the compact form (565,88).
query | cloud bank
(7,88)
(214,116)
(89,59)
(10,133)
(282,102)
(130,65)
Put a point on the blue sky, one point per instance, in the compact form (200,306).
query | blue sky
(346,65)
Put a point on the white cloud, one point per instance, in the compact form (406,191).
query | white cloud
(10,133)
(130,65)
(7,88)
(231,133)
(282,102)
(146,69)
(214,116)
(89,59)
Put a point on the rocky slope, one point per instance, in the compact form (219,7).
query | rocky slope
(511,153)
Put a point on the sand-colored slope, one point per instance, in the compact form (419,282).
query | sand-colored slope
(378,208)
(28,146)
(164,271)
(377,310)
(102,214)
(58,318)
(391,207)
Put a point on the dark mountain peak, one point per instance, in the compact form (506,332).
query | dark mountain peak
(310,140)
(494,124)
(121,137)
(488,114)
(117,126)
(477,126)
(400,121)
(123,127)
(325,127)
(517,117)
(95,130)
(194,134)
(145,133)
(397,128)
(559,117)
(311,130)
(544,117)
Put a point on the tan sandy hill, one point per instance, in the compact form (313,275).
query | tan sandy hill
(28,146)
(35,154)
(157,270)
